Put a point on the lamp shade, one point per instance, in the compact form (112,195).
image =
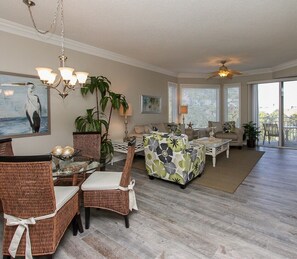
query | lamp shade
(128,112)
(183,109)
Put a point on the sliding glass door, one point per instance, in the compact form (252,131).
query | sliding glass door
(290,114)
(277,113)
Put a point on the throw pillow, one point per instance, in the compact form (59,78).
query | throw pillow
(139,129)
(147,129)
(218,126)
(229,126)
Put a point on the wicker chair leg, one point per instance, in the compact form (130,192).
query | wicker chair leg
(126,221)
(74,226)
(49,256)
(87,217)
(79,223)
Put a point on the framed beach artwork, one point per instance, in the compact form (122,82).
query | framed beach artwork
(24,106)
(150,104)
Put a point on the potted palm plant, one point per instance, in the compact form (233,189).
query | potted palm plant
(251,132)
(95,119)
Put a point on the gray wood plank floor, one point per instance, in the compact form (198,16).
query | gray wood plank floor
(258,221)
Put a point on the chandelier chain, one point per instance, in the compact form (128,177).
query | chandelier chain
(53,22)
(62,26)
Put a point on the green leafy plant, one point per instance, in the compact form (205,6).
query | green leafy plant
(96,119)
(251,132)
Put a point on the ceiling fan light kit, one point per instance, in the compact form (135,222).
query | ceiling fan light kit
(224,72)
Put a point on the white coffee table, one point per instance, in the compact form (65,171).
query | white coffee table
(213,146)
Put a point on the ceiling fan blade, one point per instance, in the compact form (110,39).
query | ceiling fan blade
(213,74)
(230,75)
(234,72)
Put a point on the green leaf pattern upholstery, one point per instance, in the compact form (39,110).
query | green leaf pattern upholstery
(170,158)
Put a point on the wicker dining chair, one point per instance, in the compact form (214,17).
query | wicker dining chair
(5,150)
(111,190)
(34,206)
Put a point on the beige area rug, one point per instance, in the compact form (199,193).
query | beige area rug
(228,174)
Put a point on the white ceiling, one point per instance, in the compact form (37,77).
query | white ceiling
(180,36)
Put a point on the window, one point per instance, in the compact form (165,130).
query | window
(172,102)
(232,103)
(203,104)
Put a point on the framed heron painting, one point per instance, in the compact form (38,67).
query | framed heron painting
(24,106)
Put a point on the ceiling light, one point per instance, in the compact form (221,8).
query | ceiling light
(68,78)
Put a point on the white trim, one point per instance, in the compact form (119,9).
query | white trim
(25,31)
(200,85)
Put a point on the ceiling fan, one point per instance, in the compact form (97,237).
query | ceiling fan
(224,71)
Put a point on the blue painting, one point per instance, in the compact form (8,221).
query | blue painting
(24,106)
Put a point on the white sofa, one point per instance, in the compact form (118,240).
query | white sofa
(139,130)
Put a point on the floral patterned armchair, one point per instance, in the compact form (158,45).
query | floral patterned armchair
(170,158)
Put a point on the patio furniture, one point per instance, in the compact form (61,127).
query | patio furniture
(111,190)
(270,130)
(170,158)
(35,210)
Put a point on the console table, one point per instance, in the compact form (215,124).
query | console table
(122,147)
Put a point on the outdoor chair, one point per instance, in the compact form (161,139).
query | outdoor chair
(111,190)
(5,150)
(270,130)
(36,214)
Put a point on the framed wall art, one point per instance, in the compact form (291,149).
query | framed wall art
(24,106)
(150,104)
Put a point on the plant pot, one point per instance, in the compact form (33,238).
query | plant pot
(251,143)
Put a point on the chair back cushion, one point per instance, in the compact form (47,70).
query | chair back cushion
(26,185)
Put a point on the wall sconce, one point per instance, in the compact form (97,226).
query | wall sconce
(127,114)
(183,109)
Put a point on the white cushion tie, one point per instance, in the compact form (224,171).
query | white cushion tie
(22,225)
(132,197)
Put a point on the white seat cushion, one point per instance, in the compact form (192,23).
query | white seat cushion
(64,194)
(102,181)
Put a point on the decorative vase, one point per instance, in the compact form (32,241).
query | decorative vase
(211,133)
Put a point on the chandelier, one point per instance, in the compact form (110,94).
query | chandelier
(68,78)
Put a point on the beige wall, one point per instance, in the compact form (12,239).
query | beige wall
(22,55)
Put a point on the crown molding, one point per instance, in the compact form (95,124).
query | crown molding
(28,32)
(192,75)
(286,65)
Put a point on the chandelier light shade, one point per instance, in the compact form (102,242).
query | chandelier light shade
(183,109)
(68,79)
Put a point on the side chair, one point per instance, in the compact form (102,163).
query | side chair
(111,190)
(5,150)
(36,214)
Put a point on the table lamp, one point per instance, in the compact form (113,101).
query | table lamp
(128,112)
(183,109)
